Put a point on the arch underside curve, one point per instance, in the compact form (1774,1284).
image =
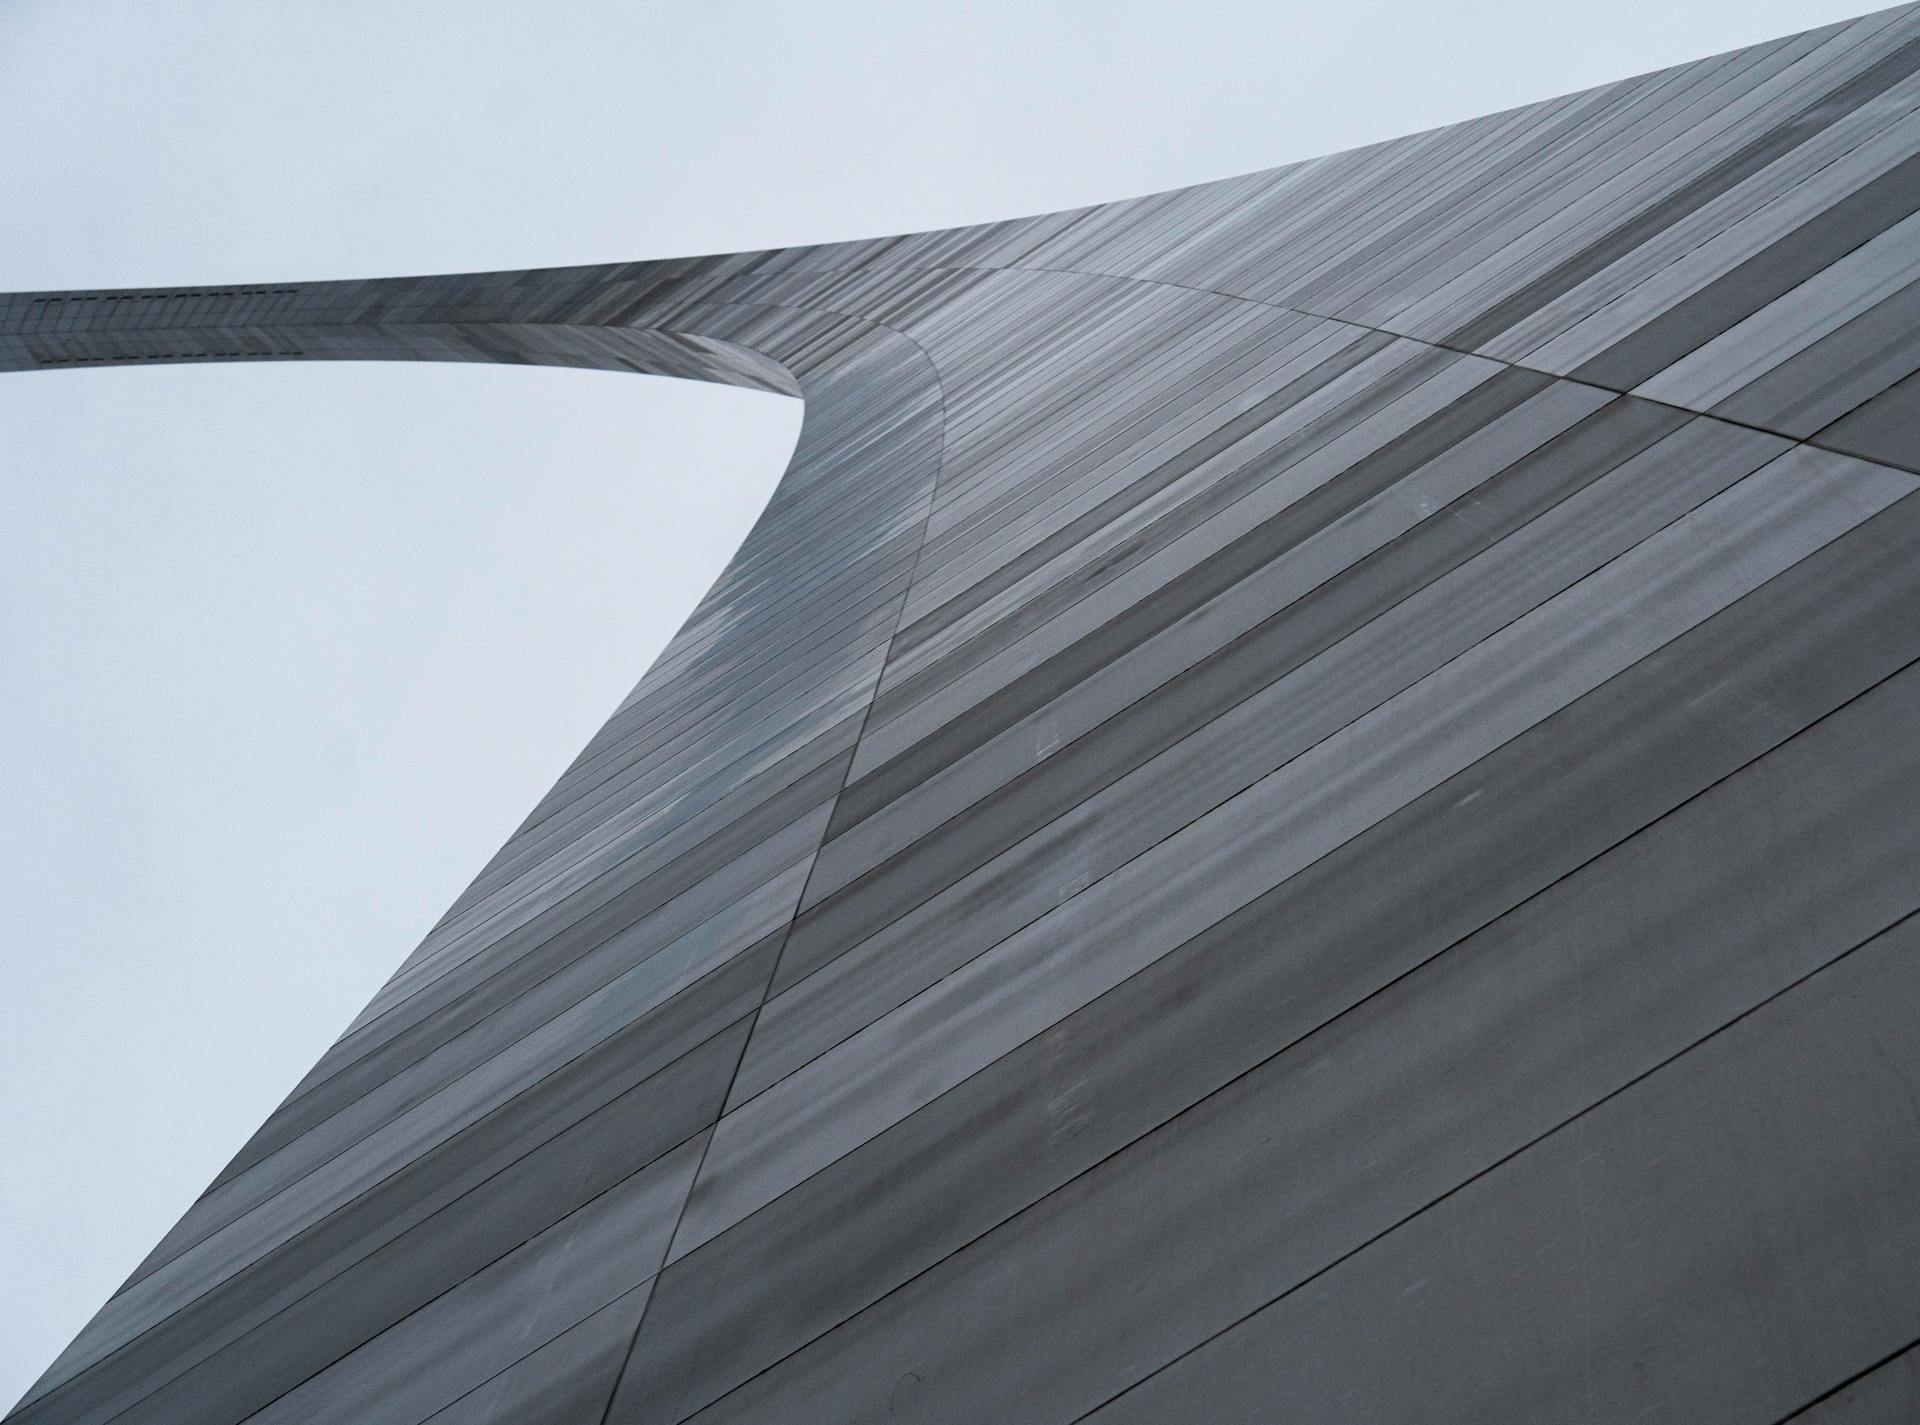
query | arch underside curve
(1303,792)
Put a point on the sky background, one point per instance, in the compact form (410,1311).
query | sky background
(290,649)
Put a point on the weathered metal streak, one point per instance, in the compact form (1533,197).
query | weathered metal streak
(1300,805)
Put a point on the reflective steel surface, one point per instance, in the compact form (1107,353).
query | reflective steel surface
(1302,806)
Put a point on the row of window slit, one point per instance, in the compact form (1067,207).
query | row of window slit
(158,356)
(168,296)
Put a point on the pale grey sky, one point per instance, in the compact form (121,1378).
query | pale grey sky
(291,649)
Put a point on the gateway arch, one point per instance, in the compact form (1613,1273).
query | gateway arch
(1301,806)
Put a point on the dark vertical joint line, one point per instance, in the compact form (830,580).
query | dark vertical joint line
(773,969)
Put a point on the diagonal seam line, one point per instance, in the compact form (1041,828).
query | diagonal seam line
(1210,657)
(1500,1162)
(645,1285)
(1074,561)
(1291,1044)
(717,303)
(637,852)
(1402,336)
(773,970)
(1707,415)
(446,1207)
(530,1088)
(1208,811)
(1457,350)
(1853,1379)
(1523,732)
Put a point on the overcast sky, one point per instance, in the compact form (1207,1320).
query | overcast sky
(291,649)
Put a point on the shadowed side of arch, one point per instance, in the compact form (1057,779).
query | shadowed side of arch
(1443,613)
(617,947)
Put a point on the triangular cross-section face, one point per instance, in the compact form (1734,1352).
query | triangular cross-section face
(1300,804)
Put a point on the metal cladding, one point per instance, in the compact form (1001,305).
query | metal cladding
(1302,806)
